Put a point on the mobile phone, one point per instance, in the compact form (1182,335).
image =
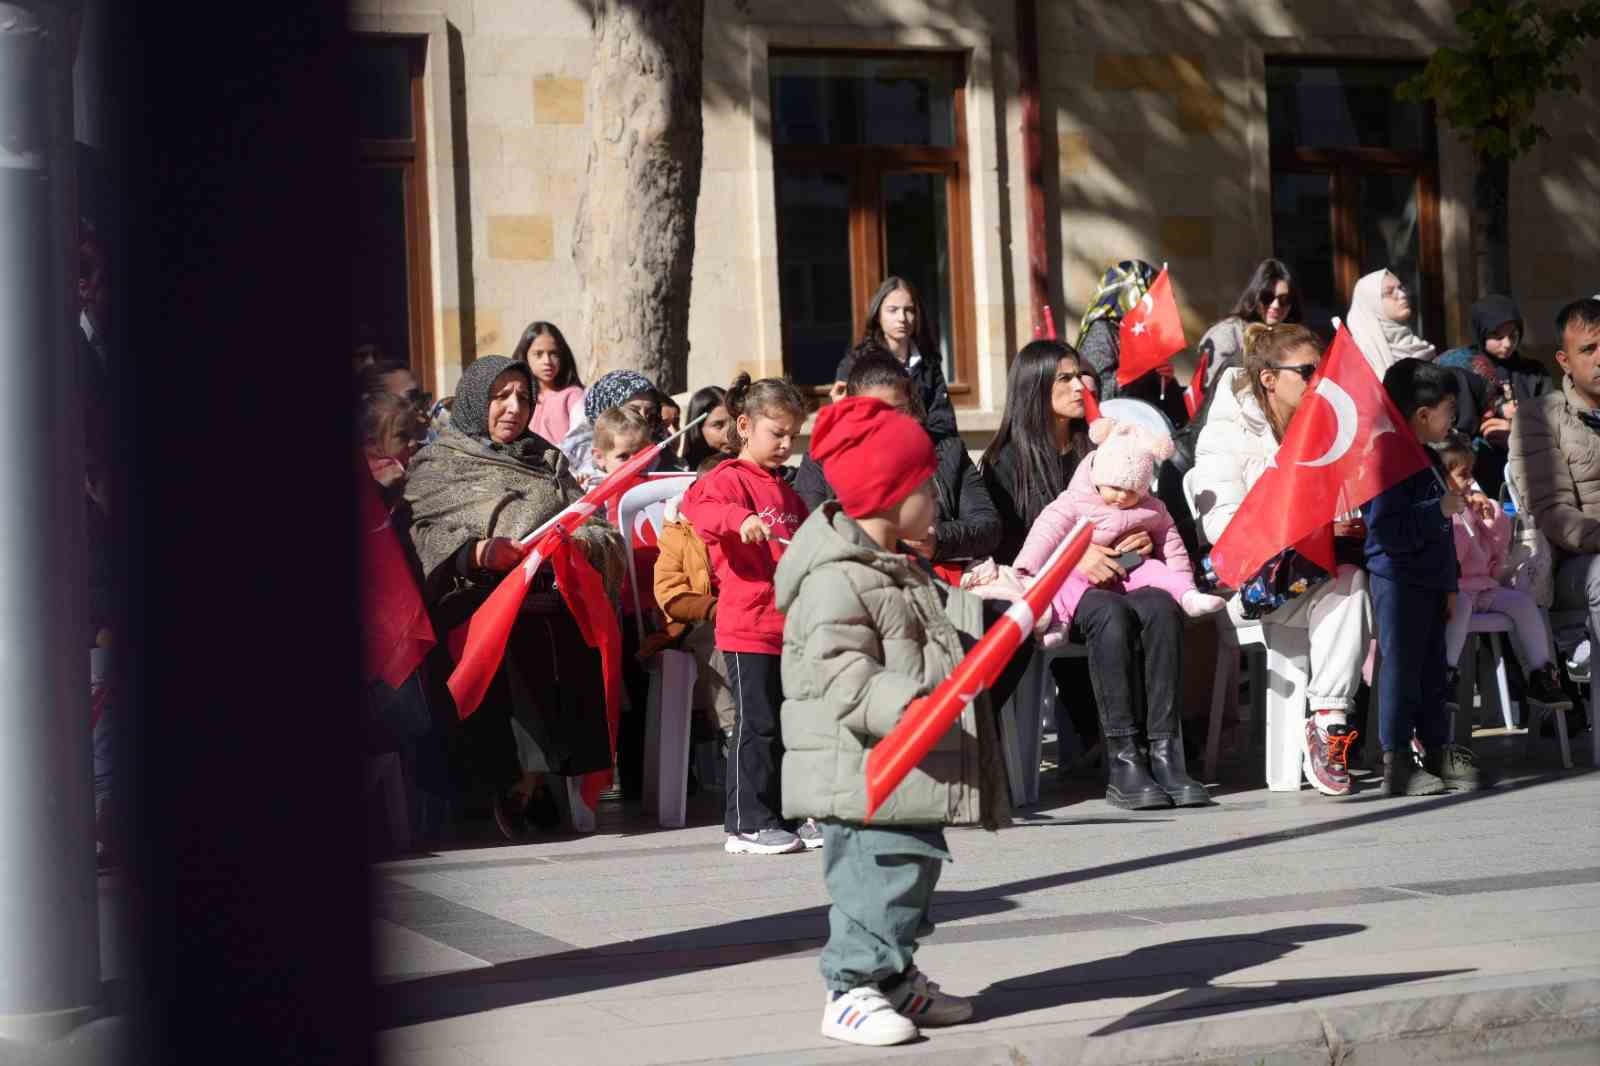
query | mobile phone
(1129,561)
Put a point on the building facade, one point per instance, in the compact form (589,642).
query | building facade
(850,139)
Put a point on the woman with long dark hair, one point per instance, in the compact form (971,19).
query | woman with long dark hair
(711,436)
(1135,641)
(558,406)
(1269,297)
(896,324)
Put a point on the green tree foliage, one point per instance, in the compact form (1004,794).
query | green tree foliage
(1514,54)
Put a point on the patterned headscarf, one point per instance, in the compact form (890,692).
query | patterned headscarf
(470,411)
(614,390)
(1121,287)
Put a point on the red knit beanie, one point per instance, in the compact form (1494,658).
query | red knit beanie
(872,455)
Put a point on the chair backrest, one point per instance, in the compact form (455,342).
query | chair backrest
(1127,409)
(640,515)
(1511,490)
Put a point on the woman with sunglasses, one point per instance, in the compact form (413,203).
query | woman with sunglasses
(1250,412)
(1269,297)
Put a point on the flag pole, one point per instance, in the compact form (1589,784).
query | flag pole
(533,537)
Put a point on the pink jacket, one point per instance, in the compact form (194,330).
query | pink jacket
(1111,524)
(1482,551)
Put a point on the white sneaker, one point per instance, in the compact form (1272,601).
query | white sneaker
(1196,603)
(863,1016)
(924,1003)
(810,834)
(764,842)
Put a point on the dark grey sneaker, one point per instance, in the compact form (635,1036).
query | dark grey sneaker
(763,842)
(1456,767)
(1403,777)
(810,836)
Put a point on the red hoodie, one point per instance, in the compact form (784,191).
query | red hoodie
(716,505)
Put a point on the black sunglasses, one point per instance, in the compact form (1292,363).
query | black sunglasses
(1270,297)
(1305,370)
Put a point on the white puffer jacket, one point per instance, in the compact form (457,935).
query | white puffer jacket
(1235,448)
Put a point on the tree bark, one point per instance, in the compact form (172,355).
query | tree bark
(1491,226)
(634,244)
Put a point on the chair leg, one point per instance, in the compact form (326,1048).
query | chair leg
(1286,715)
(1227,669)
(1561,735)
(1010,731)
(1502,687)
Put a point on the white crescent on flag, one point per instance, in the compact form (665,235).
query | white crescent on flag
(1344,410)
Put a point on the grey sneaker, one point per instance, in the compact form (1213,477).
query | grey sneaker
(809,834)
(763,842)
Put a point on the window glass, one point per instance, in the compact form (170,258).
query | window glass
(380,258)
(1302,231)
(1390,234)
(845,99)
(383,89)
(915,223)
(814,273)
(1325,106)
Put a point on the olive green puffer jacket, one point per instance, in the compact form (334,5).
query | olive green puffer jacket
(865,632)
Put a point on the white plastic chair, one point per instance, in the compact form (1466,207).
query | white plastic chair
(1480,634)
(669,706)
(1278,691)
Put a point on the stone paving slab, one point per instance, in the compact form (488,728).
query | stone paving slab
(1272,928)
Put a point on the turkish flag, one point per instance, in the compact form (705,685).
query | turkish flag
(928,718)
(484,644)
(1195,395)
(1151,332)
(1346,443)
(1091,406)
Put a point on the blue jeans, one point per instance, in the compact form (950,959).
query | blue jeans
(1411,684)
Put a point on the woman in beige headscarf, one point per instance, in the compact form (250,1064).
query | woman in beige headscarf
(1379,311)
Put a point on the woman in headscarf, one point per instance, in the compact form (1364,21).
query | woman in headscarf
(1380,307)
(1100,340)
(618,388)
(1493,378)
(483,484)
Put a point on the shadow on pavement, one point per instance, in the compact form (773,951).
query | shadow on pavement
(532,980)
(1188,970)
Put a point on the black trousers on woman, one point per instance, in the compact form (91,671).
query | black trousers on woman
(1135,643)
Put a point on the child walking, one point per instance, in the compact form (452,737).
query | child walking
(1482,536)
(1413,575)
(745,512)
(867,632)
(1111,488)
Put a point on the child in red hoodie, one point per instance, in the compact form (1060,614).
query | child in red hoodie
(745,512)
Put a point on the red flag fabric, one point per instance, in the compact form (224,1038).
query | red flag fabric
(1091,406)
(585,595)
(396,634)
(1151,332)
(1195,394)
(927,719)
(1346,444)
(490,625)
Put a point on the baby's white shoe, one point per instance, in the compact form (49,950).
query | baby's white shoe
(1196,603)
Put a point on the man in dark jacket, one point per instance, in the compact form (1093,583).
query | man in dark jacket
(968,525)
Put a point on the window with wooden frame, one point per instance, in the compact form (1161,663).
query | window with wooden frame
(870,160)
(393,293)
(1355,185)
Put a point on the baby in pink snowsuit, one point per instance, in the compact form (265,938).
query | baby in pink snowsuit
(1111,488)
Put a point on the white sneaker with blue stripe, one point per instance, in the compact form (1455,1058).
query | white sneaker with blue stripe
(863,1016)
(924,1003)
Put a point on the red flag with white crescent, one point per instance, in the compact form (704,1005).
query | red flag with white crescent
(1195,395)
(1346,443)
(1152,332)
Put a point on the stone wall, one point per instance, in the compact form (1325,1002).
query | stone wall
(1155,139)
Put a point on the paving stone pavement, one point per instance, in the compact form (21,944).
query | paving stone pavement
(1271,928)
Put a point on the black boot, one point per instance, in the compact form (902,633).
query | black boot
(1128,781)
(1167,767)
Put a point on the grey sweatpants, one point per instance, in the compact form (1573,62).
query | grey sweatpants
(881,882)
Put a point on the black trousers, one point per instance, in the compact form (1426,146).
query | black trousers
(755,793)
(1135,643)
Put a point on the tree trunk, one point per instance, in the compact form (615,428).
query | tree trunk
(1491,211)
(634,244)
